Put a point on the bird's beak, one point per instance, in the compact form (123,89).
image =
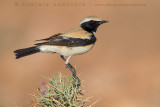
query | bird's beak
(104,21)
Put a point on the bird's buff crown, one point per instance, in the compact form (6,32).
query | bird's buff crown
(95,18)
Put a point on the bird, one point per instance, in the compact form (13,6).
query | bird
(76,41)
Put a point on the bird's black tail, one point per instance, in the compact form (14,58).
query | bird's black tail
(26,51)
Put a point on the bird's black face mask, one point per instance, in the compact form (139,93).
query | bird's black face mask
(91,26)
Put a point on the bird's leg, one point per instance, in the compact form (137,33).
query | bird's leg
(68,63)
(71,68)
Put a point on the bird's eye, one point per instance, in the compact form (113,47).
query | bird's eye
(91,21)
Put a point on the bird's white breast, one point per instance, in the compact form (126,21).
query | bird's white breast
(66,51)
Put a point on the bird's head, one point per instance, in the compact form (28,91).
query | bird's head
(91,23)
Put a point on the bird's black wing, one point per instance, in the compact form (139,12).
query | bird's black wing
(68,41)
(46,39)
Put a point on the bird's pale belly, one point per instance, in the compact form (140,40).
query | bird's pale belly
(66,51)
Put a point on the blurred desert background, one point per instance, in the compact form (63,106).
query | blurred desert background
(123,68)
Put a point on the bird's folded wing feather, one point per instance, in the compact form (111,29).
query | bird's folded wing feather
(61,40)
(46,39)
